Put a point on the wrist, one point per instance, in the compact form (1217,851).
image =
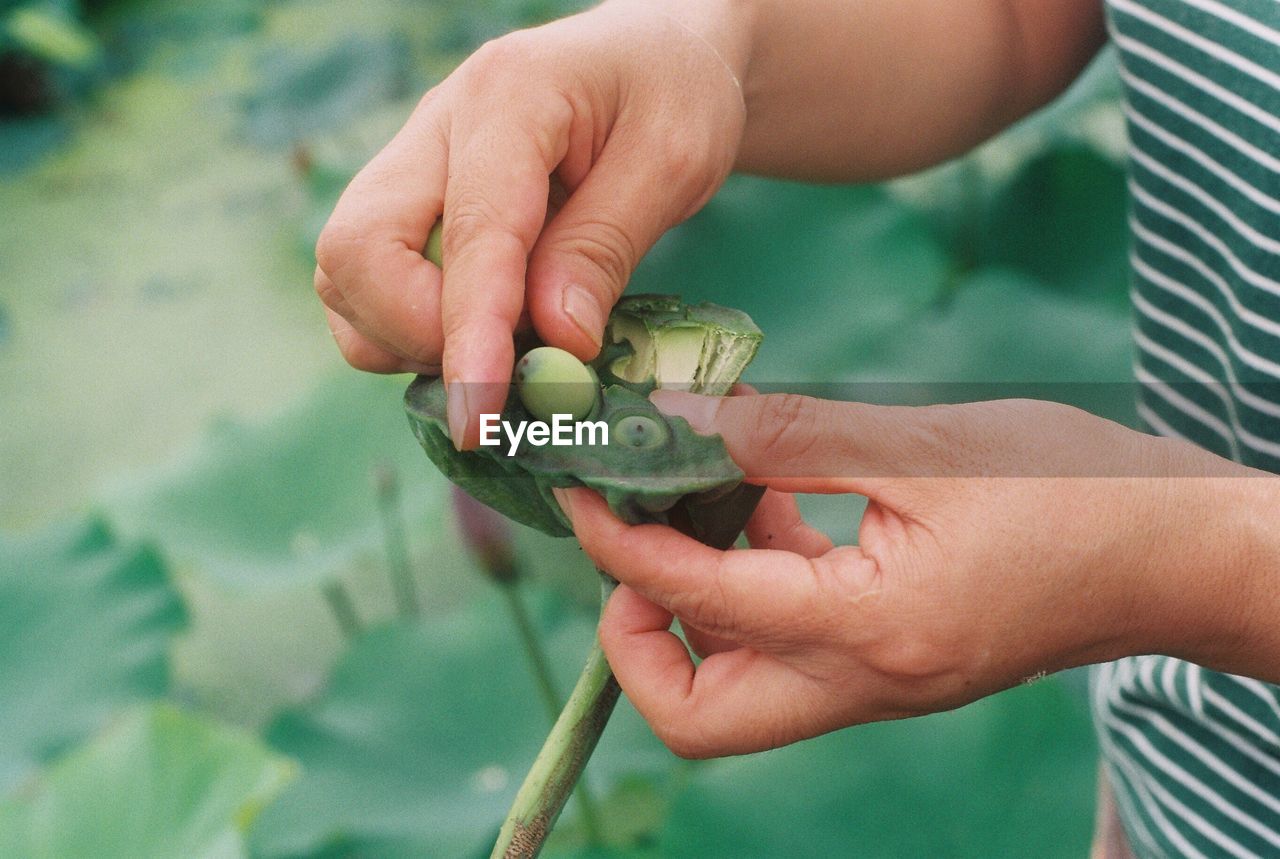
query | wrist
(726,27)
(1243,629)
(1214,584)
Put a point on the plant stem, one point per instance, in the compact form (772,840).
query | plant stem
(540,662)
(397,543)
(343,608)
(563,757)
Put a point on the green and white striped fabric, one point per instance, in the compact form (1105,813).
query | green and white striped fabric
(1192,755)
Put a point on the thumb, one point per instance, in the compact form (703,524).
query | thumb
(586,254)
(794,443)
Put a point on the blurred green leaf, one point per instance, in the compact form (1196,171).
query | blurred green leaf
(290,500)
(420,741)
(188,38)
(158,784)
(1015,199)
(1002,326)
(25,140)
(632,814)
(1003,335)
(466,25)
(553,852)
(47,32)
(1011,775)
(816,267)
(85,628)
(304,92)
(324,181)
(1062,219)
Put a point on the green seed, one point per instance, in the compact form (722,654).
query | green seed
(639,431)
(551,382)
(434,251)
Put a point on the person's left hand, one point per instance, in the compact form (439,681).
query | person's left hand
(1001,540)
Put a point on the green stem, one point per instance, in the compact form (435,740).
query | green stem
(541,665)
(343,608)
(562,759)
(403,589)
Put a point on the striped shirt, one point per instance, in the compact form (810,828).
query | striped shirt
(1193,755)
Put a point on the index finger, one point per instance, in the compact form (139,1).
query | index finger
(495,206)
(736,701)
(749,591)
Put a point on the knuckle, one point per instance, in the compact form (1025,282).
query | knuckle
(362,355)
(682,157)
(325,289)
(465,324)
(469,219)
(474,223)
(829,580)
(504,64)
(705,609)
(517,77)
(787,426)
(684,740)
(685,166)
(428,354)
(549,109)
(508,52)
(943,431)
(361,359)
(914,657)
(607,248)
(722,603)
(340,245)
(430,98)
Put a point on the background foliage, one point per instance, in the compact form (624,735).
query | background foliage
(191,482)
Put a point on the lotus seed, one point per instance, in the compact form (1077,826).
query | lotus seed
(552,382)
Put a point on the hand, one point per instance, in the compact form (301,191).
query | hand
(634,110)
(1001,541)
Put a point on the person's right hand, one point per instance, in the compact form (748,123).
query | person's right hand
(635,110)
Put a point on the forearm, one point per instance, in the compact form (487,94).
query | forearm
(852,90)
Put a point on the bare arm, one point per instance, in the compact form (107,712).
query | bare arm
(841,90)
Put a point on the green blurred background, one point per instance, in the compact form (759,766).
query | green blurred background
(191,481)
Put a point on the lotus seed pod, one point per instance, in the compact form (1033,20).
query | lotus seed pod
(434,251)
(552,382)
(640,431)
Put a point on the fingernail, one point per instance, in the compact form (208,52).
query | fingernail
(581,307)
(564,499)
(698,410)
(456,409)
